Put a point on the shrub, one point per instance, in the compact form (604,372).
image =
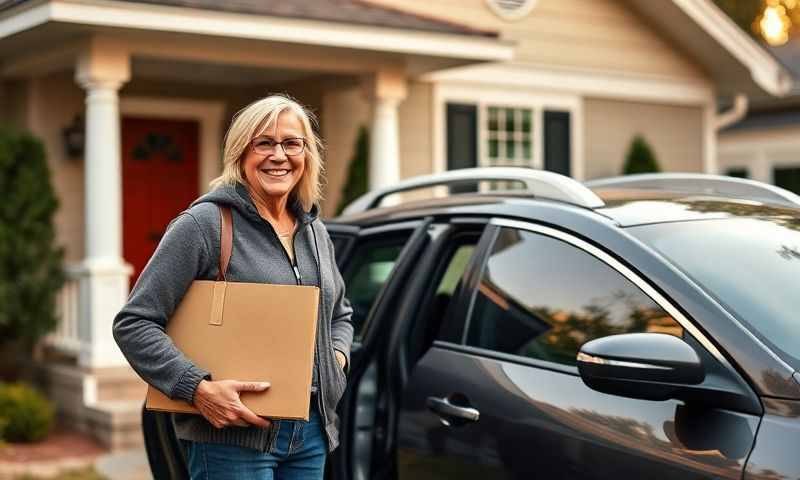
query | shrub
(640,158)
(358,171)
(31,270)
(28,415)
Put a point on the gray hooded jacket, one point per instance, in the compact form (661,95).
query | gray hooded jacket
(190,250)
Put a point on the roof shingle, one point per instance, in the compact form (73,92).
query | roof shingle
(358,12)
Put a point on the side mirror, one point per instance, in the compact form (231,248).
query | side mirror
(648,366)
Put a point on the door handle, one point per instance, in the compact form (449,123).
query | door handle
(449,411)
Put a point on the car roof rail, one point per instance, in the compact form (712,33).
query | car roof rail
(702,184)
(540,183)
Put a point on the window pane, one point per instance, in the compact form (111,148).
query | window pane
(788,178)
(493,148)
(511,151)
(449,326)
(526,121)
(455,270)
(493,115)
(365,275)
(510,124)
(526,149)
(542,298)
(737,172)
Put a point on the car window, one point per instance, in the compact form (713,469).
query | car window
(448,284)
(366,272)
(749,265)
(542,298)
(339,244)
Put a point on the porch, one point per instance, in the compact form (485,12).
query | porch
(152,88)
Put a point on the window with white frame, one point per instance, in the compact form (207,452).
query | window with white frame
(508,136)
(509,129)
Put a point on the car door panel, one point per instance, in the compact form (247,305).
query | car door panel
(396,245)
(539,423)
(536,417)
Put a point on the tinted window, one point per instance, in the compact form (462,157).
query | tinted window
(440,317)
(750,265)
(371,263)
(339,245)
(542,298)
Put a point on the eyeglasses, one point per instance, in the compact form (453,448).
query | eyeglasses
(290,146)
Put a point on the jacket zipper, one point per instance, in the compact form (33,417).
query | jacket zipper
(320,393)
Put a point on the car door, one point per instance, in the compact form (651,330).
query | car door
(498,395)
(369,405)
(367,258)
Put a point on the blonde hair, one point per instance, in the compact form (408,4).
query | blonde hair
(252,121)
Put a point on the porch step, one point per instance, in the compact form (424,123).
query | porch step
(104,402)
(116,424)
(119,384)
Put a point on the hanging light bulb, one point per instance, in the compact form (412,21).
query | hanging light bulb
(774,24)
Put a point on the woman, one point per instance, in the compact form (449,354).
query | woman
(271,181)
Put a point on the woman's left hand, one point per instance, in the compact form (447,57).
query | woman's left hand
(341,359)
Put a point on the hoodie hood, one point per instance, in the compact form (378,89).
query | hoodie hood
(237,197)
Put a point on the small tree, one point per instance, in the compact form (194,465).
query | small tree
(640,158)
(31,270)
(358,172)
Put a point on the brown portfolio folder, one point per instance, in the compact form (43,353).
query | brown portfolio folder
(248,332)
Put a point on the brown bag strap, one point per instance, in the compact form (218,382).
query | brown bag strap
(225,241)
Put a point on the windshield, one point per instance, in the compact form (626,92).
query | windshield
(750,265)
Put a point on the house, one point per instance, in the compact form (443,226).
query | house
(151,85)
(765,144)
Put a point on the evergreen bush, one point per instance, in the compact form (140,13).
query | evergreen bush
(27,415)
(31,272)
(640,158)
(358,171)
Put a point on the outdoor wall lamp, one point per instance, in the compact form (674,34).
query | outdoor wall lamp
(74,136)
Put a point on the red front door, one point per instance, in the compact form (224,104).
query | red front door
(159,180)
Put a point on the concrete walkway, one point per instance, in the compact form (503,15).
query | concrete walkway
(124,465)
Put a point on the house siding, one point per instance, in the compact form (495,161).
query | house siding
(416,127)
(598,35)
(675,134)
(52,103)
(343,112)
(760,151)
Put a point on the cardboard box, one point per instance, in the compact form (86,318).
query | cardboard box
(249,332)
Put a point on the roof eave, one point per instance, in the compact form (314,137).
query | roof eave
(108,13)
(763,71)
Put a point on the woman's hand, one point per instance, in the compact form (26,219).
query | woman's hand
(220,404)
(341,359)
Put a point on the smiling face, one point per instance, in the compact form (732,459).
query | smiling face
(274,175)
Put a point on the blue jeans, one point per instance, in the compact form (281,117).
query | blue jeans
(298,453)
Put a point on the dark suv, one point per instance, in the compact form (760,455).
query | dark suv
(639,327)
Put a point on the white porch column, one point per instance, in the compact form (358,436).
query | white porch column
(384,149)
(387,90)
(102,70)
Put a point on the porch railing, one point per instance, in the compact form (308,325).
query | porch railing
(66,338)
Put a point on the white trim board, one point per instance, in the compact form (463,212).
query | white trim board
(583,82)
(766,71)
(207,114)
(108,13)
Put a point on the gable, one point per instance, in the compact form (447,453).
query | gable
(598,35)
